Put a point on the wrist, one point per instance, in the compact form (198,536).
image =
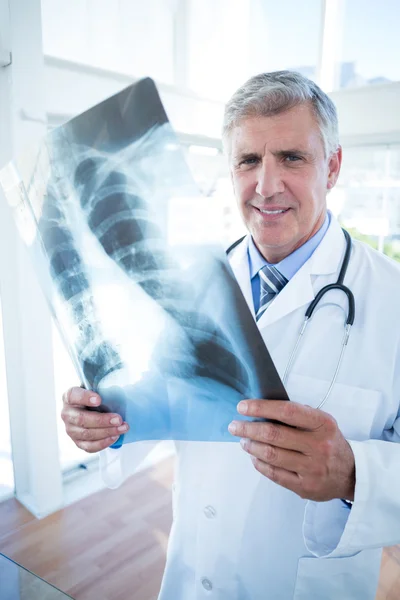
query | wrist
(349,489)
(349,492)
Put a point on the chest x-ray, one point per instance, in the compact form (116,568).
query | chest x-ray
(159,328)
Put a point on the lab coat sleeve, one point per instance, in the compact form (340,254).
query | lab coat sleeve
(332,530)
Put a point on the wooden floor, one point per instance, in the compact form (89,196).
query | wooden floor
(112,545)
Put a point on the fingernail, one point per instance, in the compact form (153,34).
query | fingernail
(232,427)
(115,437)
(115,421)
(244,443)
(123,428)
(94,400)
(242,407)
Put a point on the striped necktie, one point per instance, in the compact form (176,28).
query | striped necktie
(271,283)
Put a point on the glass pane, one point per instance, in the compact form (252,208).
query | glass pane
(217,61)
(18,583)
(394,166)
(370,43)
(367,197)
(245,38)
(6,465)
(362,167)
(135,38)
(286,35)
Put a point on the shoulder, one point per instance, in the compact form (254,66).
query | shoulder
(375,261)
(376,272)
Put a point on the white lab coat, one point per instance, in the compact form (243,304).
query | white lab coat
(238,536)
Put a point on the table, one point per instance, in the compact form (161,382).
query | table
(17,583)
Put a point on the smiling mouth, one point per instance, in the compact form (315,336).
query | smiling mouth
(272,212)
(279,211)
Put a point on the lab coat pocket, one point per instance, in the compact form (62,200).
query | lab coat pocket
(351,578)
(354,408)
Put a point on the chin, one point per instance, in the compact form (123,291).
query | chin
(272,241)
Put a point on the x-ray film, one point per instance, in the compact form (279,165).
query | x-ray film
(155,324)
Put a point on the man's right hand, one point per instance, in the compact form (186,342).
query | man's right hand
(91,431)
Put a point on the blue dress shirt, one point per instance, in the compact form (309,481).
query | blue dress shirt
(289,265)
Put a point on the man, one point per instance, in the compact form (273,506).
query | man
(301,508)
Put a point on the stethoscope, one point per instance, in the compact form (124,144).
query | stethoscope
(339,285)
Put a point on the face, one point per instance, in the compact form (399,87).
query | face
(281,177)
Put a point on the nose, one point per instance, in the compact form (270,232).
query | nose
(269,179)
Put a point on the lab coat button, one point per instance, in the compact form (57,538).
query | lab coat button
(206,583)
(210,512)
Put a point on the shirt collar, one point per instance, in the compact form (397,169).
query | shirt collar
(292,263)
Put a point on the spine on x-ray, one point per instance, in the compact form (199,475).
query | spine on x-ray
(96,355)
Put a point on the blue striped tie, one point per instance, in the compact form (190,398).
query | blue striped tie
(271,283)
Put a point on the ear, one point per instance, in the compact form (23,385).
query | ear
(334,165)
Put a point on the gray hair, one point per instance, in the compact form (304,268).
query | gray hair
(269,94)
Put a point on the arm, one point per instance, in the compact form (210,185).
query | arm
(313,459)
(374,520)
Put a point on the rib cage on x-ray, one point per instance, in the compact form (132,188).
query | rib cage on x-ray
(121,220)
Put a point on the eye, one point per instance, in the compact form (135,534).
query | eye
(291,158)
(248,161)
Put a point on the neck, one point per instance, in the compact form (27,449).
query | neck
(274,255)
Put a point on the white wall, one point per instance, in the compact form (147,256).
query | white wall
(26,320)
(369,114)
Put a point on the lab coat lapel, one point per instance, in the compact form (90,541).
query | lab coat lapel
(239,262)
(296,293)
(300,290)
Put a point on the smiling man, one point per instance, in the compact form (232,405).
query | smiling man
(303,505)
(280,175)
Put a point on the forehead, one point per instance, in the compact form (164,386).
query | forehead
(296,128)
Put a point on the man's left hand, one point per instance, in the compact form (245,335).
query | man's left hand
(311,457)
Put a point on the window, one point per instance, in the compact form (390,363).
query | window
(367,196)
(245,38)
(370,43)
(286,35)
(135,38)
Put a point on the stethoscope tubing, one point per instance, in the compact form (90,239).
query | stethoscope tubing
(339,285)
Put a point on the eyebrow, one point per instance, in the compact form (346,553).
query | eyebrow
(290,151)
(245,155)
(278,153)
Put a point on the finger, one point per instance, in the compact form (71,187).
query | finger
(77,396)
(291,413)
(96,446)
(286,479)
(95,435)
(80,417)
(273,434)
(277,457)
